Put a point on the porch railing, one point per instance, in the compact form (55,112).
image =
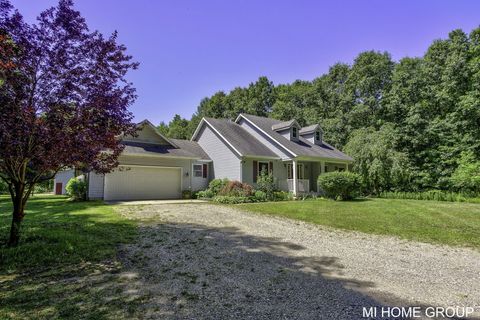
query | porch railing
(303,185)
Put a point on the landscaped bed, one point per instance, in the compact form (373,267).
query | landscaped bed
(426,221)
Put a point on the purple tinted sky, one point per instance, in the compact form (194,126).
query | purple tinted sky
(191,49)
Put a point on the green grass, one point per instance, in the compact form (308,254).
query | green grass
(65,265)
(448,223)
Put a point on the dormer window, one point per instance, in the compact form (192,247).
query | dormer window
(294,132)
(312,133)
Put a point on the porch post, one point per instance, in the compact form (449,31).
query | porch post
(346,167)
(322,167)
(295,180)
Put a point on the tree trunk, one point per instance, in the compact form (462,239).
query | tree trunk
(19,195)
(17,217)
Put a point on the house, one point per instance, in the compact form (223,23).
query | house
(153,166)
(61,179)
(295,156)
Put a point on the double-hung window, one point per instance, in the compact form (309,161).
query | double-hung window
(198,170)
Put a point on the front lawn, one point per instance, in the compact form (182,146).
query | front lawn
(65,265)
(451,223)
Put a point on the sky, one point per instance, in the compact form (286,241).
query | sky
(189,50)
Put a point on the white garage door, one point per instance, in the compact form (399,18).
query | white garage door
(143,183)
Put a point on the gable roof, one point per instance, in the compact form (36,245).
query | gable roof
(300,148)
(145,122)
(187,149)
(309,129)
(242,142)
(175,148)
(285,125)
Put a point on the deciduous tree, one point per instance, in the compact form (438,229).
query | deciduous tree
(64,100)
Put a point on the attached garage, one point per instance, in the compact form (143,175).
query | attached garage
(143,183)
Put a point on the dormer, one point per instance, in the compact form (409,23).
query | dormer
(312,133)
(289,129)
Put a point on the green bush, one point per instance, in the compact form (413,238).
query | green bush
(266,184)
(216,185)
(260,196)
(205,194)
(232,199)
(186,194)
(466,177)
(236,189)
(436,195)
(282,196)
(3,187)
(340,185)
(76,188)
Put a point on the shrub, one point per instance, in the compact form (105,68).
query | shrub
(77,188)
(216,185)
(309,195)
(282,196)
(266,184)
(340,185)
(205,194)
(232,199)
(236,189)
(466,177)
(436,195)
(260,196)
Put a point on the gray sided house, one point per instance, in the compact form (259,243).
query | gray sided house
(155,167)
(295,156)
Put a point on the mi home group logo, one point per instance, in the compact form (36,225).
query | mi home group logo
(417,312)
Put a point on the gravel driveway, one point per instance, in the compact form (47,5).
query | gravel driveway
(202,261)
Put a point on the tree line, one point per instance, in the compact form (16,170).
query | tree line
(411,125)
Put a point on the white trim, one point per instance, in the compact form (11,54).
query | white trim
(216,131)
(295,178)
(193,170)
(332,160)
(300,173)
(158,156)
(295,130)
(146,166)
(268,135)
(261,157)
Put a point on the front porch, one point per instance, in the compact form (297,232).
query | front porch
(302,175)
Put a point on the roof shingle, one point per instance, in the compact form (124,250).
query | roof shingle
(303,147)
(239,138)
(187,149)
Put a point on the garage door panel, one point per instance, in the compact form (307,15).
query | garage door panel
(143,183)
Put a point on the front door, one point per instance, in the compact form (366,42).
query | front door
(58,188)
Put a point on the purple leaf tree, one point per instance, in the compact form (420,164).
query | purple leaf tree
(63,100)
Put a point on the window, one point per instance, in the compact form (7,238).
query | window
(294,132)
(262,166)
(317,135)
(197,170)
(300,171)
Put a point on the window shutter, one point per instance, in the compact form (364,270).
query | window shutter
(270,167)
(255,171)
(205,170)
